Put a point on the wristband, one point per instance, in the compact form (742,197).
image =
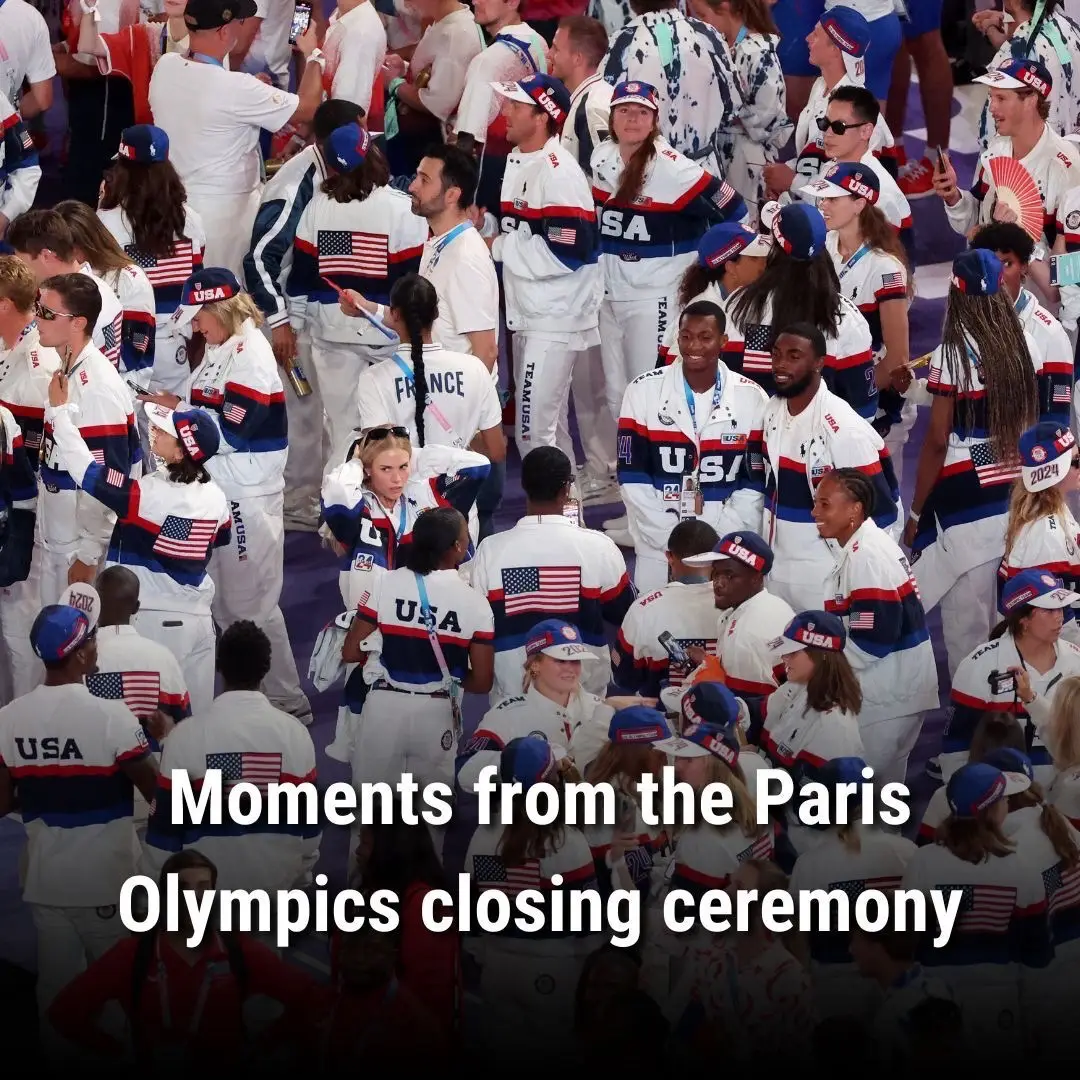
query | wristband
(379,312)
(912,516)
(90,9)
(317,56)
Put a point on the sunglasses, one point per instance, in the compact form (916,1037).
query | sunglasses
(48,314)
(837,127)
(376,433)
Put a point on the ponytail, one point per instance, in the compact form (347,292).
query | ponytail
(1052,821)
(420,386)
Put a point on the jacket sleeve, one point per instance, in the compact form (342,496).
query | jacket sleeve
(1056,374)
(343,503)
(20,489)
(303,278)
(617,594)
(629,660)
(138,326)
(173,699)
(763,115)
(252,397)
(406,246)
(965,214)
(21,171)
(969,698)
(857,450)
(874,624)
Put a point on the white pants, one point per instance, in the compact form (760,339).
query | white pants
(543,368)
(171,369)
(404,733)
(228,220)
(19,607)
(887,745)
(897,438)
(650,571)
(248,574)
(968,600)
(309,443)
(68,940)
(190,638)
(337,368)
(596,426)
(631,333)
(53,576)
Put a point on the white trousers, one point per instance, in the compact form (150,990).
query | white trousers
(596,426)
(309,442)
(897,438)
(337,368)
(228,220)
(968,600)
(68,940)
(650,571)
(190,638)
(19,607)
(171,369)
(631,333)
(248,574)
(543,368)
(887,745)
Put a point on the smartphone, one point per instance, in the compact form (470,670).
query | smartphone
(1065,269)
(677,654)
(572,510)
(1002,682)
(300,21)
(942,158)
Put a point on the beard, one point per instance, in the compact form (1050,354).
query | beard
(794,389)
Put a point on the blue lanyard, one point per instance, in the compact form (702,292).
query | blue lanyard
(718,393)
(740,36)
(446,241)
(406,368)
(203,58)
(425,608)
(519,48)
(863,251)
(401,524)
(1023,301)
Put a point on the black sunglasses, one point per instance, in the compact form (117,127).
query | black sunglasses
(376,433)
(47,313)
(837,127)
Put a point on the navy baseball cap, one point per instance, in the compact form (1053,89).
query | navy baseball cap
(849,30)
(210,14)
(347,148)
(728,239)
(709,703)
(554,637)
(544,91)
(1046,453)
(1020,73)
(977,272)
(974,788)
(745,547)
(845,178)
(841,770)
(811,630)
(194,429)
(205,286)
(640,93)
(529,761)
(143,143)
(698,740)
(1035,588)
(800,230)
(1017,767)
(58,631)
(638,724)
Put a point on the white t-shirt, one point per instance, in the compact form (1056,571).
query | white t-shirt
(213,118)
(26,52)
(445,52)
(463,273)
(355,47)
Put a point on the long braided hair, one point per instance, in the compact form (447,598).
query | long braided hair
(417,304)
(989,324)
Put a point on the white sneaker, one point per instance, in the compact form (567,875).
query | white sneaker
(621,537)
(619,524)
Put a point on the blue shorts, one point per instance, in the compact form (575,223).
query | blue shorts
(924,16)
(885,38)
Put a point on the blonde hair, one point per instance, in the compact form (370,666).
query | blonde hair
(17,283)
(743,810)
(367,450)
(1026,507)
(1052,821)
(234,312)
(1063,732)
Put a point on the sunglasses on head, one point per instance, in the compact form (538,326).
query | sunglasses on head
(376,433)
(47,313)
(837,127)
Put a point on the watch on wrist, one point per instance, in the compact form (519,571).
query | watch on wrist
(318,57)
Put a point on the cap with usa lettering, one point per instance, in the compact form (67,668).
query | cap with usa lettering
(974,788)
(1046,454)
(800,230)
(811,630)
(637,725)
(698,740)
(745,547)
(143,143)
(544,91)
(194,429)
(845,178)
(58,631)
(1020,73)
(206,286)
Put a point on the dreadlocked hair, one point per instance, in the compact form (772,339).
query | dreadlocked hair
(805,290)
(1026,507)
(989,324)
(415,300)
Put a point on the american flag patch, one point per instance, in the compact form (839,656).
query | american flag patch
(625,451)
(357,253)
(490,872)
(184,538)
(234,413)
(894,280)
(246,768)
(861,620)
(542,589)
(26,140)
(1062,394)
(140,341)
(172,269)
(757,348)
(1062,887)
(724,194)
(139,690)
(98,456)
(560,234)
(984,909)
(988,469)
(115,477)
(857,886)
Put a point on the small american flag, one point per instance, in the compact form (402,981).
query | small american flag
(560,234)
(988,469)
(185,538)
(1062,888)
(25,138)
(362,254)
(544,589)
(857,886)
(234,413)
(491,872)
(110,338)
(247,768)
(677,675)
(861,620)
(140,341)
(761,848)
(172,269)
(139,690)
(894,280)
(984,909)
(98,456)
(115,477)
(757,348)
(1062,394)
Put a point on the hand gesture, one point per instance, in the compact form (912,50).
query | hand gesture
(58,389)
(945,181)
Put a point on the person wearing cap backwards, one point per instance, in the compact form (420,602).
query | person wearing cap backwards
(238,384)
(1019,103)
(985,395)
(74,526)
(653,204)
(528,981)
(1000,945)
(355,239)
(1041,532)
(799,284)
(549,250)
(809,431)
(847,857)
(690,65)
(168,524)
(838,44)
(689,445)
(683,609)
(144,205)
(750,618)
(213,118)
(1016,671)
(76,761)
(872,589)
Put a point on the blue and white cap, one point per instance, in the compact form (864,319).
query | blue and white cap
(209,285)
(58,631)
(553,637)
(528,760)
(1020,73)
(143,143)
(974,788)
(347,148)
(700,740)
(845,178)
(1035,588)
(1046,454)
(728,239)
(1017,767)
(811,630)
(637,725)
(640,93)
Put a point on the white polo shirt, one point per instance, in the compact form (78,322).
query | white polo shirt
(213,118)
(27,51)
(355,47)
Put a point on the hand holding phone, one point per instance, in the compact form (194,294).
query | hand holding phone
(300,21)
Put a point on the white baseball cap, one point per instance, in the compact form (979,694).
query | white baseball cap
(83,598)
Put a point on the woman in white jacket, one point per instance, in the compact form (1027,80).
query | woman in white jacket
(1042,533)
(888,645)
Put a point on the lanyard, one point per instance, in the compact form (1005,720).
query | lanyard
(520,49)
(427,616)
(863,251)
(1023,302)
(213,61)
(740,36)
(212,971)
(429,406)
(445,242)
(718,393)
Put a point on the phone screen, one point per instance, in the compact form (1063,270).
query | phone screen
(300,20)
